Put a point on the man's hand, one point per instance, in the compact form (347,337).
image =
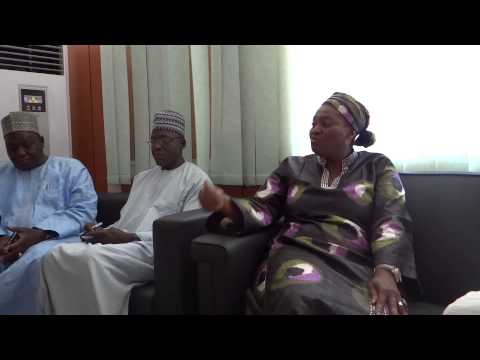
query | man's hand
(385,294)
(3,242)
(25,239)
(92,227)
(109,236)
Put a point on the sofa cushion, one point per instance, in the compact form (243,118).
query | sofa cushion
(141,299)
(421,308)
(446,229)
(109,206)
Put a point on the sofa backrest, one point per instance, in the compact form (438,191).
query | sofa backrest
(446,228)
(109,206)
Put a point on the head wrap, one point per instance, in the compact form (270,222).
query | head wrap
(19,121)
(356,115)
(169,120)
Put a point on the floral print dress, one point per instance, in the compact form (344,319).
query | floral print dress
(332,235)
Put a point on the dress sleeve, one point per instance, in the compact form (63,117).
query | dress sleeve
(391,240)
(261,210)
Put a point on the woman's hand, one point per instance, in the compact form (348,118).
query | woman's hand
(212,198)
(385,294)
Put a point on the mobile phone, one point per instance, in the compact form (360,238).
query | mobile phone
(11,239)
(96,226)
(83,235)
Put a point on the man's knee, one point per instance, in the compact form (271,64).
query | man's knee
(39,250)
(68,255)
(50,260)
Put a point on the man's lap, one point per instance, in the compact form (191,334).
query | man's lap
(128,253)
(36,252)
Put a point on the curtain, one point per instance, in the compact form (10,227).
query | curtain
(248,107)
(116,113)
(231,97)
(237,96)
(159,79)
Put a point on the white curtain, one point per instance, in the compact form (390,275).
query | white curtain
(116,113)
(422,99)
(230,96)
(237,96)
(160,79)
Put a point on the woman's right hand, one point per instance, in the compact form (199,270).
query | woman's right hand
(212,198)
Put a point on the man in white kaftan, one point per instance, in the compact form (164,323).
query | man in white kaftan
(97,277)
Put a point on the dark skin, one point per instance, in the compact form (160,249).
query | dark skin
(331,138)
(25,239)
(167,150)
(25,150)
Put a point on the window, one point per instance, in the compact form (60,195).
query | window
(423,100)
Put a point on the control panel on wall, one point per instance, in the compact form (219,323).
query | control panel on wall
(34,99)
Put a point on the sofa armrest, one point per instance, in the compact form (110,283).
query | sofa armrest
(226,267)
(175,271)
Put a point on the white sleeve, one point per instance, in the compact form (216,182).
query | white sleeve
(191,201)
(145,235)
(130,199)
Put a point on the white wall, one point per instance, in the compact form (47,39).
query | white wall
(57,105)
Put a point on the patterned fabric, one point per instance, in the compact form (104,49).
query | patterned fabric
(299,281)
(331,238)
(326,174)
(169,120)
(352,110)
(19,121)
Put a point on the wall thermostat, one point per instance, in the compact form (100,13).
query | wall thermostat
(33,100)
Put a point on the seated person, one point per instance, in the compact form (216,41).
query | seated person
(46,201)
(345,242)
(97,276)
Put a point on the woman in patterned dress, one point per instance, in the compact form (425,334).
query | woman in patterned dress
(345,243)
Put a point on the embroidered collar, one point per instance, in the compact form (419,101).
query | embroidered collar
(346,162)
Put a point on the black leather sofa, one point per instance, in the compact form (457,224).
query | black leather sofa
(173,290)
(446,231)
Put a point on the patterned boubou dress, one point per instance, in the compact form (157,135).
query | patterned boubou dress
(332,236)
